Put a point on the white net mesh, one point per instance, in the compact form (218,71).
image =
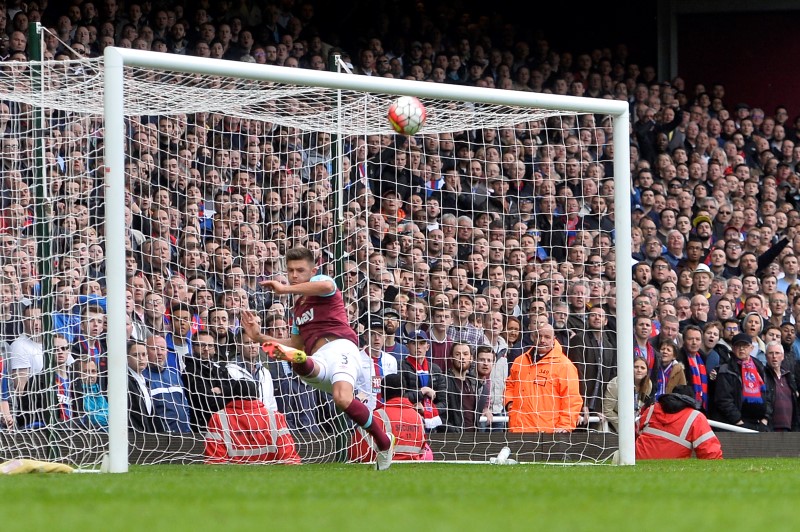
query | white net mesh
(491,223)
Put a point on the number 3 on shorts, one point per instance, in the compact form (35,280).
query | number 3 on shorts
(344,360)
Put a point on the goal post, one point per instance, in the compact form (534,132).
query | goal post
(116,60)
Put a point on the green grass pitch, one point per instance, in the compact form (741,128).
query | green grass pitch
(670,495)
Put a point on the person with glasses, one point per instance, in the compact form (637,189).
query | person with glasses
(733,254)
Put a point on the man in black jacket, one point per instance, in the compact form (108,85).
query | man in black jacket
(208,384)
(741,395)
(142,415)
(462,393)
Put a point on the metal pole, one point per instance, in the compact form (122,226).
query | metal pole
(44,215)
(115,261)
(622,241)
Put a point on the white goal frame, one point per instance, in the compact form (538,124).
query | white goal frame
(116,59)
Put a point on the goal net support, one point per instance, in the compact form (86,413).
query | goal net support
(172,185)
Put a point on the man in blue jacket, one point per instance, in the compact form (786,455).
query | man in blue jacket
(166,387)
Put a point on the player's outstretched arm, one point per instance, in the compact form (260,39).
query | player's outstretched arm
(322,287)
(251,324)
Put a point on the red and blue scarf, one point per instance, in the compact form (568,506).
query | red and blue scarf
(753,387)
(429,410)
(699,379)
(663,379)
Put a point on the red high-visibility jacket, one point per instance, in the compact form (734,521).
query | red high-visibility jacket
(663,434)
(406,425)
(245,431)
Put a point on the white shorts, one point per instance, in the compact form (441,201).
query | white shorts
(339,360)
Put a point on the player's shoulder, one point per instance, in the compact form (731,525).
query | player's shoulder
(322,278)
(325,278)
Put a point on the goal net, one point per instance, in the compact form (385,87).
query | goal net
(138,223)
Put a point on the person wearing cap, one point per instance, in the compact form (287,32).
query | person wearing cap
(376,364)
(704,229)
(543,390)
(423,381)
(701,280)
(674,428)
(741,396)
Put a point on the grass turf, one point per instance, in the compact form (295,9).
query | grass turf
(663,495)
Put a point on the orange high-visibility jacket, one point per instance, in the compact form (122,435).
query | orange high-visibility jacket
(246,431)
(543,396)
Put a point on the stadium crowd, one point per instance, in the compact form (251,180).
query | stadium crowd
(472,258)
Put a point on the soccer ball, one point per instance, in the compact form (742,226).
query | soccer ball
(406,115)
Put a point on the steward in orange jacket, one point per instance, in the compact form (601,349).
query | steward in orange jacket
(673,428)
(542,389)
(245,431)
(405,422)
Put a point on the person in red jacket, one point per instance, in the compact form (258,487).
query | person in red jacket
(406,424)
(674,428)
(245,431)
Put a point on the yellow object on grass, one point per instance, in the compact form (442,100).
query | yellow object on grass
(20,466)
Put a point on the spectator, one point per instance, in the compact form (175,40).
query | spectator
(90,341)
(741,396)
(553,406)
(203,377)
(492,372)
(26,354)
(377,364)
(643,388)
(669,372)
(37,408)
(142,416)
(782,389)
(294,398)
(248,360)
(91,403)
(462,394)
(166,387)
(595,357)
(424,383)
(6,417)
(694,367)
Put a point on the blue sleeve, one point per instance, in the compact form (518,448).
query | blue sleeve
(5,388)
(94,300)
(295,329)
(317,278)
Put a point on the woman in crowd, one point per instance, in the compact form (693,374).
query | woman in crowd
(643,389)
(668,372)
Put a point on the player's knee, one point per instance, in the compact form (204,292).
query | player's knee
(342,397)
